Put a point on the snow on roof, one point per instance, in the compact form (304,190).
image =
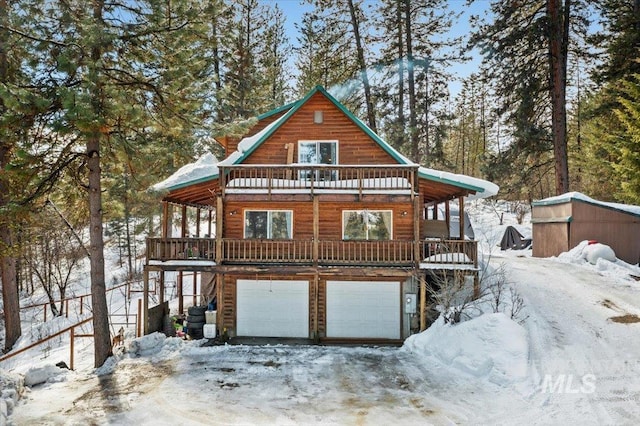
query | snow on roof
(483,188)
(193,173)
(569,196)
(204,167)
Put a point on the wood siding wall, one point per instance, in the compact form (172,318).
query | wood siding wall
(330,220)
(354,145)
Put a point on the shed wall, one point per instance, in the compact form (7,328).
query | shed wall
(616,229)
(550,239)
(619,230)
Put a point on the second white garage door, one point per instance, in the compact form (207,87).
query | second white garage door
(360,309)
(268,308)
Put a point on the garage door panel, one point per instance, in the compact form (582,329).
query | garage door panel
(268,308)
(359,309)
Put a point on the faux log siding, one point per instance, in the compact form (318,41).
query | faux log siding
(322,308)
(302,217)
(330,218)
(229,305)
(355,146)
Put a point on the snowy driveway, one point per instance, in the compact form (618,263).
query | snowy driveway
(182,383)
(588,360)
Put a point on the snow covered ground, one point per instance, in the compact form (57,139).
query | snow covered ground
(571,357)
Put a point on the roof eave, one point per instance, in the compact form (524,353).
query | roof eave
(469,187)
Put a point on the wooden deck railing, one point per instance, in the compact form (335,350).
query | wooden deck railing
(267,251)
(329,252)
(318,178)
(164,249)
(451,252)
(364,253)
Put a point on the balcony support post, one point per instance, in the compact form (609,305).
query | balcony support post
(219,229)
(416,233)
(316,229)
(180,292)
(165,219)
(198,212)
(423,302)
(461,216)
(447,215)
(145,301)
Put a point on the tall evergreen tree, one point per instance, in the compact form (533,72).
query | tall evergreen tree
(415,92)
(526,49)
(628,167)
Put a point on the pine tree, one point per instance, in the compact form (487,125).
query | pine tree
(526,49)
(628,167)
(415,86)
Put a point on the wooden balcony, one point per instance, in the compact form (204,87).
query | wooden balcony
(451,253)
(307,178)
(435,253)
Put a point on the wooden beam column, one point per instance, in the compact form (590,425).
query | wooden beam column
(198,212)
(145,301)
(423,303)
(447,216)
(180,293)
(183,223)
(461,213)
(165,220)
(316,229)
(219,229)
(417,243)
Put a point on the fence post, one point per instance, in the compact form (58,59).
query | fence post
(66,308)
(45,313)
(138,319)
(81,304)
(71,344)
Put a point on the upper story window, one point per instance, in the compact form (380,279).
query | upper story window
(268,224)
(367,225)
(318,152)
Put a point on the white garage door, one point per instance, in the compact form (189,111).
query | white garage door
(363,309)
(273,308)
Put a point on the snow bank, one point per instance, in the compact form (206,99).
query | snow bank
(594,252)
(11,388)
(491,346)
(591,253)
(48,373)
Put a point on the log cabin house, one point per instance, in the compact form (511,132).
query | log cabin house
(316,228)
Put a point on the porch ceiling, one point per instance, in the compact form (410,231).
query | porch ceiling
(439,192)
(202,194)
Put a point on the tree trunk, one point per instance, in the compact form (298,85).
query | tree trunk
(371,116)
(102,338)
(8,271)
(400,41)
(413,121)
(558,43)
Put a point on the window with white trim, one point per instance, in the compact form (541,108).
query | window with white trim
(268,224)
(367,224)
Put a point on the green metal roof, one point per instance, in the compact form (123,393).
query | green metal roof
(294,107)
(422,173)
